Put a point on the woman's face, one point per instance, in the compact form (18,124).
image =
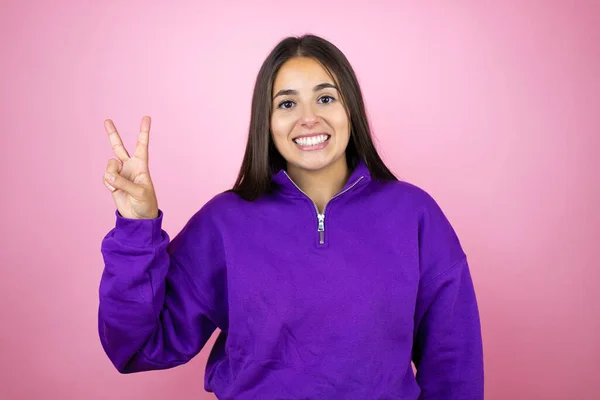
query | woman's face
(309,125)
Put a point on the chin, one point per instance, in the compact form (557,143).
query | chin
(315,165)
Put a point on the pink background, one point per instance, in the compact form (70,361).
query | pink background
(492,107)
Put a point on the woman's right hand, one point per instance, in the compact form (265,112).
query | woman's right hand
(132,188)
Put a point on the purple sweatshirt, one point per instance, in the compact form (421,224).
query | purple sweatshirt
(309,306)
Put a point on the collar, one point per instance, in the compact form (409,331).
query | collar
(285,184)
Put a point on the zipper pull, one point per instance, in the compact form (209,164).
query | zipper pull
(321,228)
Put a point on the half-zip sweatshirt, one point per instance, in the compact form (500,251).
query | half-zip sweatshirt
(309,305)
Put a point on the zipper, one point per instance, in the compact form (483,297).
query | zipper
(321,228)
(321,217)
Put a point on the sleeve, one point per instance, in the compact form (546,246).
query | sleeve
(160,300)
(448,348)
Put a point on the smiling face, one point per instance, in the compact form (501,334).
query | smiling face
(309,124)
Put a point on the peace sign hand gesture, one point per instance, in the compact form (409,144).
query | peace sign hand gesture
(131,186)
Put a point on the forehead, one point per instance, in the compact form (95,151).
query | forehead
(299,73)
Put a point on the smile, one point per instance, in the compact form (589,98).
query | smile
(312,141)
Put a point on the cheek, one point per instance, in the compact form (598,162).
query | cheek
(280,127)
(341,123)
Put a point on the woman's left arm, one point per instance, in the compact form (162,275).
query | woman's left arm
(448,348)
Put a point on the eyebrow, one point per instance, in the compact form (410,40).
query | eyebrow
(291,92)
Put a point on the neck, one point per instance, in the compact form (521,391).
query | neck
(321,185)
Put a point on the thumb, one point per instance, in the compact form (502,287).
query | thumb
(118,182)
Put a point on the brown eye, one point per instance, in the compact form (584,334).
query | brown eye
(285,104)
(328,98)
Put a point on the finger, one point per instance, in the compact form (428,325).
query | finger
(112,189)
(115,141)
(141,149)
(114,166)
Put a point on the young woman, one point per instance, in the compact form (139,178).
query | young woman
(325,274)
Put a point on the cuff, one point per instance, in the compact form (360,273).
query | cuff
(139,232)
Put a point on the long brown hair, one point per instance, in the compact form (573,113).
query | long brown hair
(261,158)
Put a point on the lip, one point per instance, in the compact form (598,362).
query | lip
(309,135)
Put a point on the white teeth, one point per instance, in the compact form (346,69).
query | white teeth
(311,141)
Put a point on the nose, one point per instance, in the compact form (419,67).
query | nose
(309,117)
